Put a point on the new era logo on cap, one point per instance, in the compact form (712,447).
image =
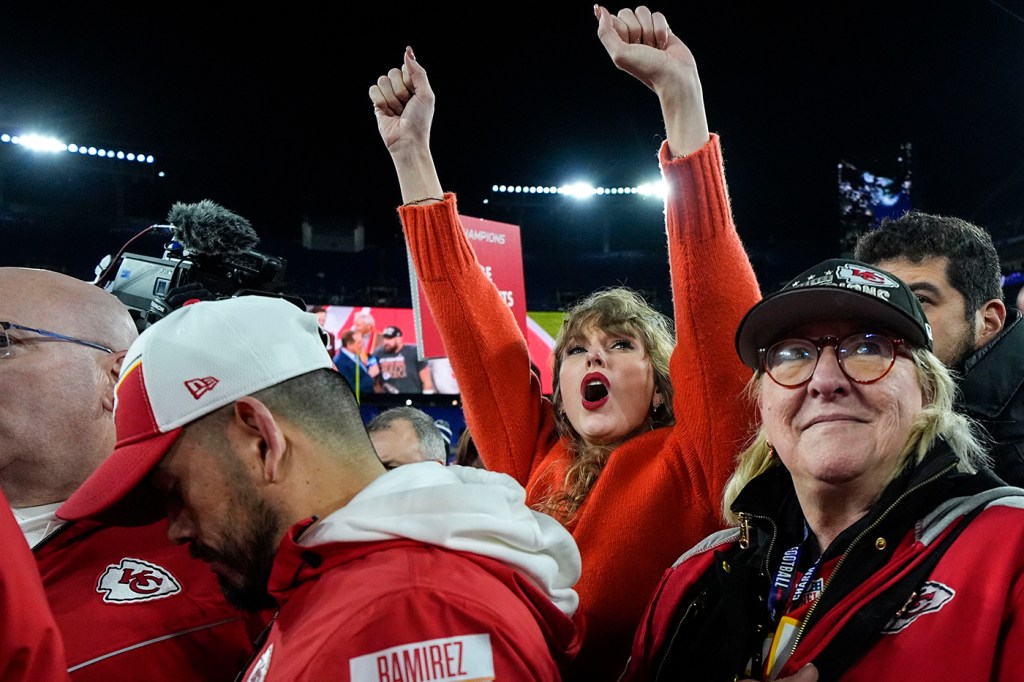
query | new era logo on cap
(198,387)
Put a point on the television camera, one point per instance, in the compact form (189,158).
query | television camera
(210,255)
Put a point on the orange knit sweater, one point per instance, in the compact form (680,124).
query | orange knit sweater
(660,492)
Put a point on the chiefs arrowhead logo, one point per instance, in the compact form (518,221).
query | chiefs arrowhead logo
(856,274)
(930,598)
(199,387)
(134,580)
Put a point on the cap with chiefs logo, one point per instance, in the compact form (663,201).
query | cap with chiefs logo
(836,289)
(196,360)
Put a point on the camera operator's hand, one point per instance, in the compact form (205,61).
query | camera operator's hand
(188,293)
(176,297)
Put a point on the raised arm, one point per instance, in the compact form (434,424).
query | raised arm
(404,105)
(641,43)
(504,409)
(713,282)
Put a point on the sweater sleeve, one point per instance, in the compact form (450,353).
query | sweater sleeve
(502,400)
(713,286)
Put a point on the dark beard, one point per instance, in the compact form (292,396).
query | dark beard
(963,350)
(250,553)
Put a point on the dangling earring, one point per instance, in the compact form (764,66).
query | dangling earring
(771,451)
(656,404)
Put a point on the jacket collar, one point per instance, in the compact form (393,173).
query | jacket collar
(986,388)
(771,495)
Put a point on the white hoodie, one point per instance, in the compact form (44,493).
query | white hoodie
(464,509)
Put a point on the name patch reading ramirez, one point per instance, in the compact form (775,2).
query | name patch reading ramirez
(466,658)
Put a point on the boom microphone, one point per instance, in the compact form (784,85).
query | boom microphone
(209,255)
(207,228)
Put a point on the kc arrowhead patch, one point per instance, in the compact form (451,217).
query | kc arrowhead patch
(134,580)
(930,598)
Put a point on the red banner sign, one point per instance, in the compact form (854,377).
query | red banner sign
(499,250)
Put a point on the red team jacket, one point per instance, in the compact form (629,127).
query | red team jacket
(964,622)
(358,607)
(133,606)
(30,643)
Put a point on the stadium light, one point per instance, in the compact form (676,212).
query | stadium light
(50,145)
(583,191)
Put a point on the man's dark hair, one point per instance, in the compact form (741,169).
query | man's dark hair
(973,263)
(323,405)
(347,336)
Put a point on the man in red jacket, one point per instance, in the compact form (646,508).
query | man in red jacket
(129,605)
(233,413)
(30,646)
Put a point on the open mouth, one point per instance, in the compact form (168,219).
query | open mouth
(594,391)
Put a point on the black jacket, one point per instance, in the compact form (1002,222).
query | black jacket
(992,392)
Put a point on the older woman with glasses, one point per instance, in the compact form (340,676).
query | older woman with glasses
(868,540)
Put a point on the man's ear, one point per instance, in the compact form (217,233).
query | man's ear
(264,435)
(111,368)
(989,321)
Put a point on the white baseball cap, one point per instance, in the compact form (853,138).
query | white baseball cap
(196,360)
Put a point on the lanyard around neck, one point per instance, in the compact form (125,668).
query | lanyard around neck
(784,590)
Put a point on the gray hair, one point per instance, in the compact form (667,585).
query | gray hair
(431,441)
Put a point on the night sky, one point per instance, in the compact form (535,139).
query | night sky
(268,115)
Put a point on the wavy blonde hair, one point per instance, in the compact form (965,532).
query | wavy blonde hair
(937,419)
(616,310)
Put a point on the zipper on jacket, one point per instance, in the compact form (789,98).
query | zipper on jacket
(745,534)
(744,530)
(257,645)
(698,602)
(850,548)
(745,518)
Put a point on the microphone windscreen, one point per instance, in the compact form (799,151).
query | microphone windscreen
(210,229)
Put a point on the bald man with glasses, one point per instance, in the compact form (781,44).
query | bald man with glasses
(129,604)
(6,341)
